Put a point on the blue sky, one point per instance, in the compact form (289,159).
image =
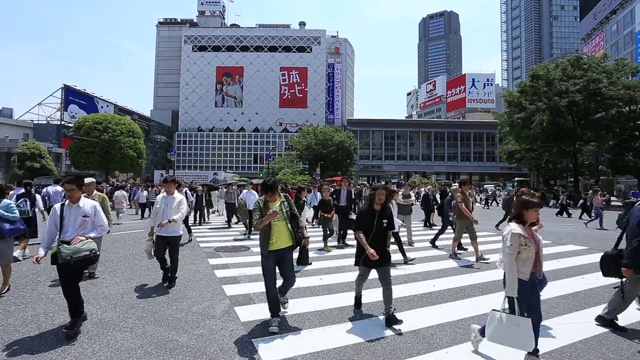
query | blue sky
(107,47)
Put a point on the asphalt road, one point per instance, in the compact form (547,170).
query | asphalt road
(218,310)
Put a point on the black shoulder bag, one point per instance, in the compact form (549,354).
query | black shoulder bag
(294,222)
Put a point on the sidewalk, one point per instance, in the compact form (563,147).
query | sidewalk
(131,316)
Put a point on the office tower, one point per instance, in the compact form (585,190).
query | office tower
(439,46)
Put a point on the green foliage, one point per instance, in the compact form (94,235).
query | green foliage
(293,177)
(330,145)
(287,169)
(418,181)
(32,160)
(559,121)
(120,145)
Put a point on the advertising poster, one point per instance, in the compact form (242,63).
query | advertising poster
(595,46)
(77,104)
(330,91)
(229,86)
(457,93)
(412,101)
(431,92)
(211,5)
(199,177)
(481,91)
(293,87)
(337,93)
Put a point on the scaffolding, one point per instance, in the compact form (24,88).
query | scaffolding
(49,110)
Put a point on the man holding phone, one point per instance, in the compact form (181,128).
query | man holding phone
(272,214)
(465,222)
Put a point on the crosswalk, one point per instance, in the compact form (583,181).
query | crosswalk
(437,298)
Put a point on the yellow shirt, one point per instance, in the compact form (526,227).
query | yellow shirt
(280,234)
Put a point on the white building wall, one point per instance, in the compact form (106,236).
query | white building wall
(15,129)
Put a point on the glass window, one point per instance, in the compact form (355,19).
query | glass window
(629,40)
(478,147)
(389,145)
(452,146)
(439,146)
(364,145)
(491,148)
(376,145)
(414,145)
(402,138)
(627,19)
(426,142)
(465,147)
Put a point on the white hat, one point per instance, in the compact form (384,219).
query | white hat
(89,181)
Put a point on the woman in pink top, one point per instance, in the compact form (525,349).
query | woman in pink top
(598,208)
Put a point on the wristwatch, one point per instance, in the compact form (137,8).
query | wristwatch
(88,237)
(169,220)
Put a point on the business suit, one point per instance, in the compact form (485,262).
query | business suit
(343,211)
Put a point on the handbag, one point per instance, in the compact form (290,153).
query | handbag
(9,228)
(509,330)
(294,222)
(611,260)
(84,253)
(541,282)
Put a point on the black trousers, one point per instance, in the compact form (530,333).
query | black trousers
(143,209)
(198,214)
(70,276)
(446,222)
(185,222)
(505,217)
(171,243)
(316,212)
(343,223)
(230,208)
(250,222)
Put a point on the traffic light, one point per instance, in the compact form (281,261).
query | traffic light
(261,173)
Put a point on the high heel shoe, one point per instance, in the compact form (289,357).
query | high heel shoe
(6,290)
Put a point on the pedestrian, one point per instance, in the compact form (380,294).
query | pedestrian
(343,200)
(394,197)
(521,258)
(81,219)
(170,212)
(597,201)
(199,206)
(405,203)
(465,222)
(28,202)
(141,198)
(563,206)
(120,202)
(507,207)
(103,200)
(8,212)
(373,227)
(447,218)
(326,210)
(249,196)
(300,202)
(272,216)
(52,194)
(182,190)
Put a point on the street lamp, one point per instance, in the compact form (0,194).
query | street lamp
(172,157)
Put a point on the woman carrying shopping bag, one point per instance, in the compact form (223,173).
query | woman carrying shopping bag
(521,259)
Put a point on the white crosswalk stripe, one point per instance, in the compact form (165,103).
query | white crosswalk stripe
(324,290)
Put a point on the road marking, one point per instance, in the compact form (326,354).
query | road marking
(126,232)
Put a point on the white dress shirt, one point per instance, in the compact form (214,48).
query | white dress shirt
(82,219)
(250,197)
(172,207)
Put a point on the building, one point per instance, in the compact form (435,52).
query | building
(54,116)
(611,26)
(447,149)
(236,94)
(439,46)
(15,132)
(534,32)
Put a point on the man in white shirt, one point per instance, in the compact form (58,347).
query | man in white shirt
(170,210)
(83,219)
(250,197)
(52,194)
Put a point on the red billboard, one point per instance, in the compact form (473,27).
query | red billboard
(229,86)
(293,87)
(457,93)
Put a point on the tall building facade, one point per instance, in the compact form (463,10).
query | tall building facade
(439,46)
(612,27)
(534,32)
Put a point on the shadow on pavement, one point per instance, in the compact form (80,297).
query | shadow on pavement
(246,349)
(37,344)
(145,291)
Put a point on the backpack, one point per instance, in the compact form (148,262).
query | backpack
(623,217)
(25,205)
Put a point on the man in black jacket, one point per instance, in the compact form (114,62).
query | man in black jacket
(343,200)
(630,288)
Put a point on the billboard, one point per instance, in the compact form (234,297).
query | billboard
(431,92)
(199,177)
(457,93)
(330,120)
(211,5)
(412,101)
(481,91)
(229,86)
(595,46)
(637,52)
(599,12)
(337,92)
(77,104)
(294,87)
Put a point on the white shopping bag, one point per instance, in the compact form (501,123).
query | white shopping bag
(512,331)
(149,249)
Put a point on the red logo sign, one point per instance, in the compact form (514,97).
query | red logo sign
(293,87)
(430,102)
(431,86)
(457,93)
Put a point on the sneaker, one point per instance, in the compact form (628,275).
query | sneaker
(412,244)
(327,248)
(18,255)
(391,320)
(357,302)
(408,260)
(274,325)
(433,244)
(481,258)
(284,302)
(610,324)
(476,337)
(454,256)
(172,282)
(25,254)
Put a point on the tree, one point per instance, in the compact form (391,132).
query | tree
(107,142)
(288,169)
(293,177)
(32,160)
(330,145)
(563,109)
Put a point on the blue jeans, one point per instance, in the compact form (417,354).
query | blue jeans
(529,305)
(597,215)
(283,260)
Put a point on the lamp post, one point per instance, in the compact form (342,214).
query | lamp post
(268,159)
(163,138)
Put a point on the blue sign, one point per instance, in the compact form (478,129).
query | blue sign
(271,158)
(77,104)
(331,118)
(172,152)
(638,48)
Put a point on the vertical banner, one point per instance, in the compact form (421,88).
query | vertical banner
(337,92)
(330,120)
(637,52)
(229,86)
(293,87)
(457,93)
